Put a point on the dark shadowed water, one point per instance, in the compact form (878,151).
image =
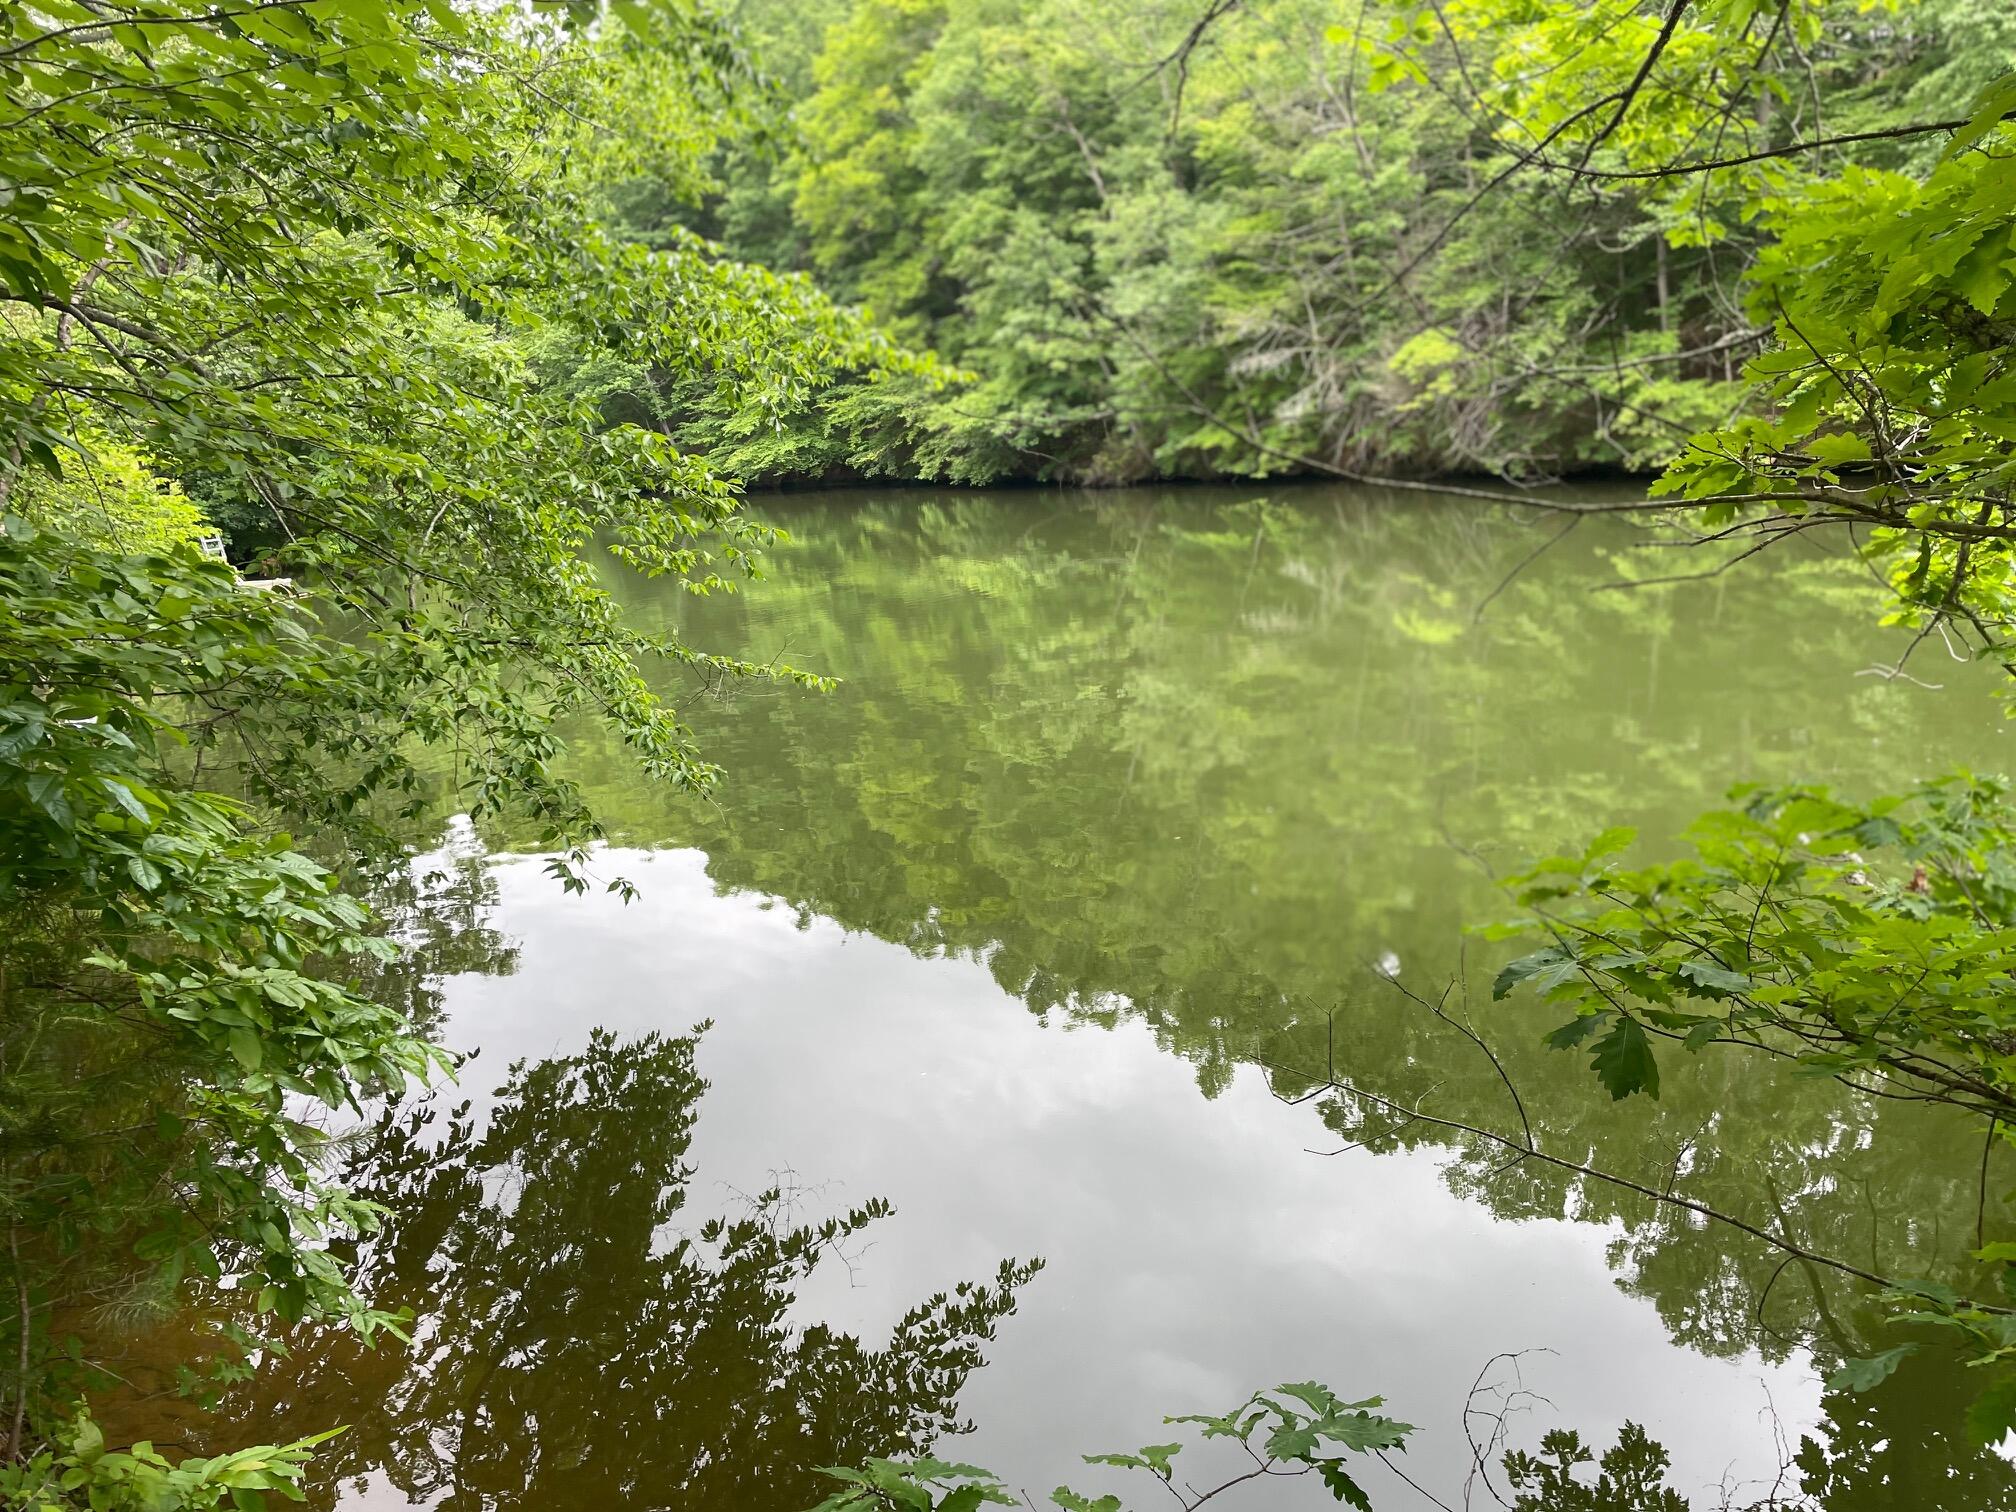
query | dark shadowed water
(1036,926)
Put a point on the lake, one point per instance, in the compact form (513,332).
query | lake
(1134,817)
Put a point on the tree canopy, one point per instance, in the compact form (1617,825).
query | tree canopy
(441,321)
(298,269)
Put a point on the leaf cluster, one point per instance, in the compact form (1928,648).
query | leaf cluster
(1296,1429)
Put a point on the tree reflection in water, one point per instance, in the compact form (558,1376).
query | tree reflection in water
(1065,751)
(577,1344)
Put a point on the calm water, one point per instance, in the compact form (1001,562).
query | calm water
(1034,927)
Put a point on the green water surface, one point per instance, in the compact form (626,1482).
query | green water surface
(1126,810)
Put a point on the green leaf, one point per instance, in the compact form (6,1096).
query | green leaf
(1158,1456)
(1608,843)
(1071,1501)
(1293,1439)
(1714,981)
(45,791)
(88,1442)
(246,1049)
(1861,1375)
(1342,1486)
(124,797)
(1311,1394)
(1550,966)
(1983,274)
(1624,1062)
(1842,446)
(1703,1034)
(1576,1030)
(1997,100)
(1364,1430)
(1154,1457)
(23,729)
(1991,1417)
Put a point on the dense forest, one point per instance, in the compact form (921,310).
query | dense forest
(362,362)
(1168,241)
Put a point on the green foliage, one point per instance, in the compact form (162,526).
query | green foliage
(167,899)
(1872,943)
(1889,393)
(1875,936)
(333,267)
(1881,400)
(79,1471)
(406,293)
(1410,238)
(923,1483)
(1869,943)
(1861,1375)
(1295,1429)
(109,495)
(319,301)
(168,965)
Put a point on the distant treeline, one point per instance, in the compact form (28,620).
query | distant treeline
(1178,240)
